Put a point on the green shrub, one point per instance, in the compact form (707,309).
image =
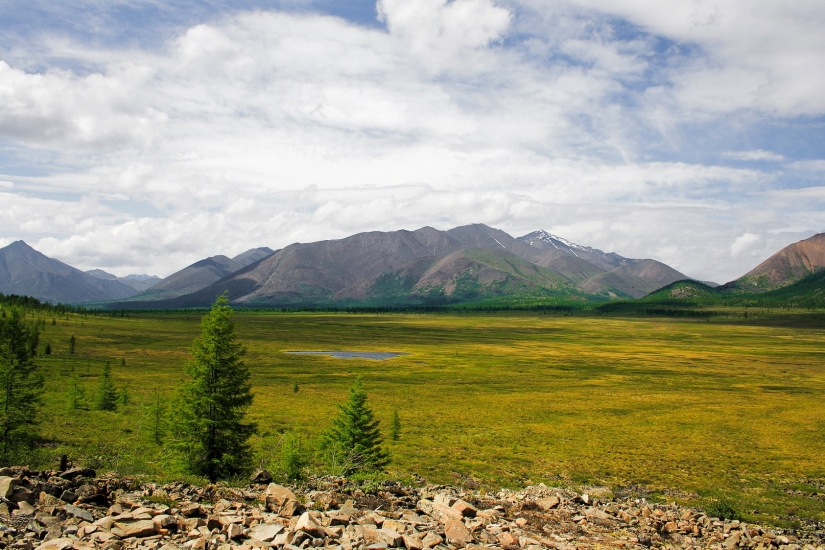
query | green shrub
(722,509)
(293,456)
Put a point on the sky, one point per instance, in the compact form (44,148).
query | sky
(139,137)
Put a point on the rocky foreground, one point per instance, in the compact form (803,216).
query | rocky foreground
(76,510)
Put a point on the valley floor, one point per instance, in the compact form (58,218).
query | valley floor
(671,409)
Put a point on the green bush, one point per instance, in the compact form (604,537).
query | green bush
(722,509)
(293,456)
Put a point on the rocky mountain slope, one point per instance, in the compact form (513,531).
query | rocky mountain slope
(201,274)
(471,262)
(787,266)
(25,271)
(138,282)
(73,510)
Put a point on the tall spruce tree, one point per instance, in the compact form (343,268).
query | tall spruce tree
(20,383)
(206,423)
(353,442)
(106,392)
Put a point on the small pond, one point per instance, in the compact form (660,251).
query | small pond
(379,355)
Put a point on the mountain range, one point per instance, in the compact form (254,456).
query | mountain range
(138,282)
(428,266)
(25,271)
(472,263)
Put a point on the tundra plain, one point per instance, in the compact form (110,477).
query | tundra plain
(678,409)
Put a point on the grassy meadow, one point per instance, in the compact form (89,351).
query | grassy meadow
(683,409)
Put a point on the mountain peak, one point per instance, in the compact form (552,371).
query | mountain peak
(19,245)
(553,240)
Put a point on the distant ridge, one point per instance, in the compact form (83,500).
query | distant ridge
(25,271)
(467,263)
(788,266)
(138,282)
(201,274)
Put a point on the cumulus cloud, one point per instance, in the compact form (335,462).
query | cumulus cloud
(743,243)
(265,128)
(757,54)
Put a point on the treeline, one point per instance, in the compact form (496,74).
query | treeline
(468,308)
(641,308)
(28,303)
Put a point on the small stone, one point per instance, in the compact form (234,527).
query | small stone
(7,485)
(21,494)
(394,525)
(79,513)
(548,503)
(77,472)
(455,531)
(444,500)
(432,539)
(164,521)
(521,522)
(234,530)
(57,544)
(261,477)
(291,508)
(68,496)
(308,525)
(438,511)
(413,542)
(105,522)
(733,540)
(191,509)
(392,538)
(278,495)
(142,528)
(507,540)
(464,508)
(265,531)
(24,509)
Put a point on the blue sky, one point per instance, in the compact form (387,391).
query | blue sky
(141,136)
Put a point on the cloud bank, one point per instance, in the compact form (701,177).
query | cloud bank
(666,131)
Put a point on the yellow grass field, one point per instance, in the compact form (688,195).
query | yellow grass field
(686,410)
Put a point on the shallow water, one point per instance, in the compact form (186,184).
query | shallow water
(379,355)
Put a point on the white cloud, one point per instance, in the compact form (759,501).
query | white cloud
(760,54)
(757,154)
(809,165)
(743,243)
(6,185)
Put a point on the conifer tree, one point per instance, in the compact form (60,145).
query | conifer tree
(206,422)
(395,427)
(20,383)
(106,392)
(353,442)
(77,393)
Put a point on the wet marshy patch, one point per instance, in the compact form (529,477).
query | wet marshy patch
(376,355)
